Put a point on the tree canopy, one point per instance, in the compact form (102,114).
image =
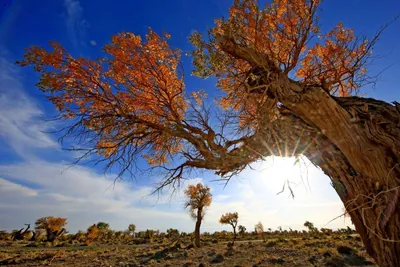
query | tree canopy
(198,197)
(230,218)
(132,102)
(50,223)
(289,90)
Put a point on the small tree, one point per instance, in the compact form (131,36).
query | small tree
(259,229)
(199,197)
(52,225)
(231,219)
(131,229)
(311,228)
(242,230)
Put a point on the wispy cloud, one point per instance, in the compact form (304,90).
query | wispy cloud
(21,120)
(37,186)
(81,195)
(75,22)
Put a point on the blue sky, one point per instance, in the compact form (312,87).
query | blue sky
(34,179)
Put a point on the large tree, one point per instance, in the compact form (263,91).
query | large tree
(198,199)
(287,93)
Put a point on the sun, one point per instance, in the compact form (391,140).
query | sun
(286,172)
(284,167)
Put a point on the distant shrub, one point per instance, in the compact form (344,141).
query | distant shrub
(92,233)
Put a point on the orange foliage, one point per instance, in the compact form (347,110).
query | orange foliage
(334,63)
(132,102)
(50,223)
(92,233)
(230,218)
(281,31)
(199,96)
(131,96)
(199,197)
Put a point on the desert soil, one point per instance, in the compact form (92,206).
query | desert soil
(325,251)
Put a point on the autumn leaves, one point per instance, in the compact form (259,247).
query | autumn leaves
(198,198)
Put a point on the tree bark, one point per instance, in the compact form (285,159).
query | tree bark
(365,175)
(234,234)
(355,141)
(197,227)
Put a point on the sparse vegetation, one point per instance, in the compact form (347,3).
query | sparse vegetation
(293,248)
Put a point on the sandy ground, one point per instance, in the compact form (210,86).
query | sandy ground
(326,251)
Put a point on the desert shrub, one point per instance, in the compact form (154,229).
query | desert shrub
(149,236)
(92,233)
(326,231)
(173,233)
(5,236)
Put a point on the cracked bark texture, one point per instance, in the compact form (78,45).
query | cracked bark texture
(354,140)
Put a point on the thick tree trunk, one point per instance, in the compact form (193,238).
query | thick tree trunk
(197,227)
(355,141)
(357,146)
(366,174)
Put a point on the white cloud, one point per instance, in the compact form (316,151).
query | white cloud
(85,197)
(35,187)
(10,190)
(80,195)
(75,22)
(21,120)
(93,43)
